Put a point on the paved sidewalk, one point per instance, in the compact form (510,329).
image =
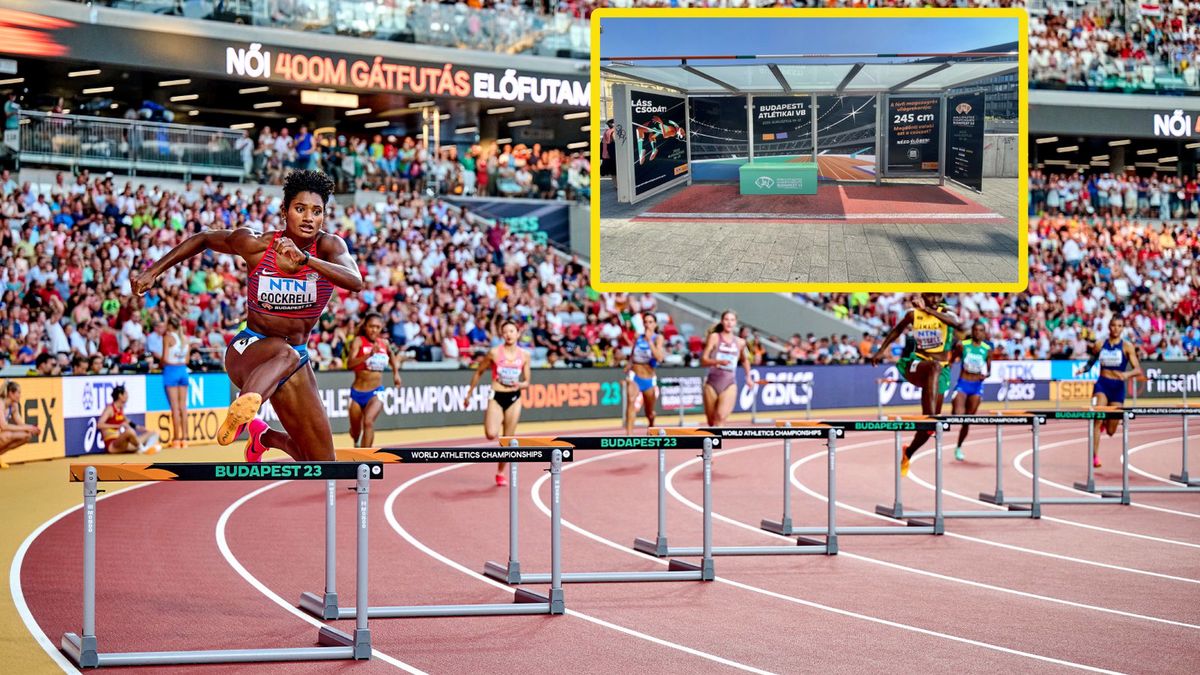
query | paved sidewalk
(767,251)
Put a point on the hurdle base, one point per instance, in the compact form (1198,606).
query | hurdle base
(324,606)
(509,574)
(783,527)
(829,544)
(895,511)
(657,548)
(1185,479)
(83,651)
(524,602)
(1087,486)
(997,499)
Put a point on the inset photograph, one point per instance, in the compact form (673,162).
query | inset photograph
(801,152)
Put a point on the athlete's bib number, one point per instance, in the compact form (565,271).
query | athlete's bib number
(974,363)
(1111,358)
(377,362)
(508,376)
(281,294)
(929,339)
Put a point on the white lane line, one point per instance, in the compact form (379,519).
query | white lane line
(223,545)
(1018,464)
(389,509)
(1012,547)
(915,570)
(18,593)
(535,493)
(1147,474)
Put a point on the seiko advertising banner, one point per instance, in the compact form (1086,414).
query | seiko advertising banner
(658,137)
(384,71)
(964,143)
(914,130)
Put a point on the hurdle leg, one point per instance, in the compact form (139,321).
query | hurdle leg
(1035,506)
(658,547)
(896,510)
(939,522)
(831,542)
(707,571)
(360,641)
(1090,485)
(998,496)
(1182,476)
(1125,458)
(557,602)
(784,526)
(83,648)
(511,572)
(326,606)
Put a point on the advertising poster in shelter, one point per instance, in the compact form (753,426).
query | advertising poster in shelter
(846,128)
(659,139)
(964,144)
(914,127)
(717,127)
(782,126)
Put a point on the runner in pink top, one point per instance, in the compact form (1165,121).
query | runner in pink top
(510,374)
(723,352)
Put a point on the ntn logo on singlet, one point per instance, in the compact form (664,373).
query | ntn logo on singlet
(283,293)
(928,338)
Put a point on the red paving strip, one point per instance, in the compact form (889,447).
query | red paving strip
(840,201)
(166,586)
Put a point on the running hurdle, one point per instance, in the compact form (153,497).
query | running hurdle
(1000,420)
(83,647)
(1114,496)
(789,430)
(524,602)
(1184,412)
(677,570)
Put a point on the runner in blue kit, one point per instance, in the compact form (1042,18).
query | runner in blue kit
(292,275)
(645,356)
(1118,364)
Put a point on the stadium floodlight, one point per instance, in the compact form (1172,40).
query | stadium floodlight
(585,128)
(1097,158)
(580,144)
(267,104)
(191,113)
(1164,160)
(242,125)
(376,125)
(290,120)
(1147,151)
(501,111)
(1049,139)
(97,90)
(83,73)
(357,111)
(14,80)
(184,97)
(1191,146)
(114,106)
(1068,148)
(466,130)
(174,83)
(422,104)
(1113,144)
(520,123)
(503,141)
(253,90)
(576,115)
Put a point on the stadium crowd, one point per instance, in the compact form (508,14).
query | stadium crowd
(441,277)
(1102,44)
(397,165)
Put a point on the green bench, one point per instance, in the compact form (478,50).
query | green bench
(778,176)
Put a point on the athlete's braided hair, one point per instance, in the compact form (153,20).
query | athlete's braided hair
(306,181)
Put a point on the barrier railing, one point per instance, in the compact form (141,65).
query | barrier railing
(128,145)
(83,648)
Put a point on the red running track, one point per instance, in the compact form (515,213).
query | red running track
(1097,587)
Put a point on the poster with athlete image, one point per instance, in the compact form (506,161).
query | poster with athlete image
(964,142)
(914,130)
(659,139)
